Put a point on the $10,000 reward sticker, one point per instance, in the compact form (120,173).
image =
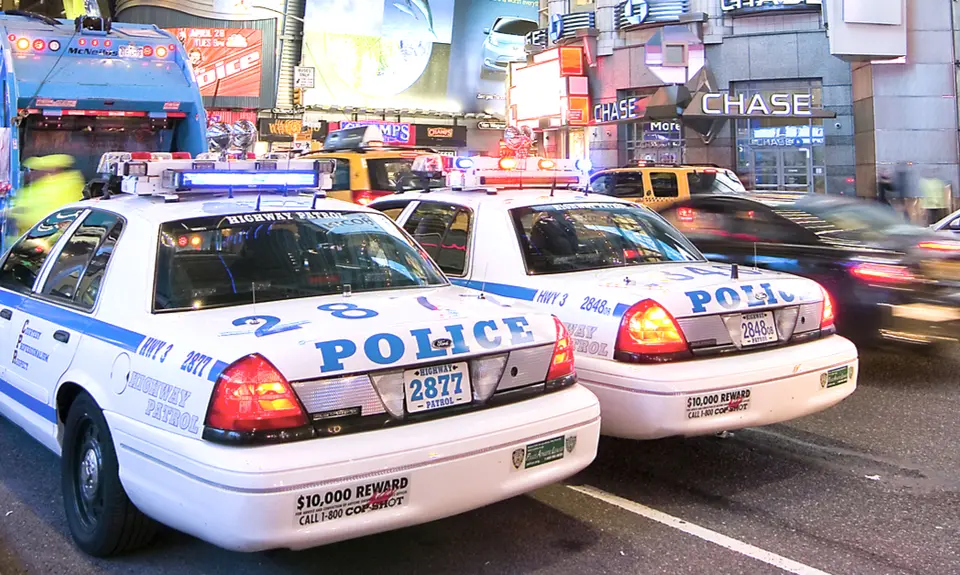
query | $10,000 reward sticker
(313,508)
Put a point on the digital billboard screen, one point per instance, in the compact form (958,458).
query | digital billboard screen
(438,55)
(226,61)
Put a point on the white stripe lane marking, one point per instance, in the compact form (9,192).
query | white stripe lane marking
(778,561)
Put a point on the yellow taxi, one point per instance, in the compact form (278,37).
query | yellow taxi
(366,169)
(660,185)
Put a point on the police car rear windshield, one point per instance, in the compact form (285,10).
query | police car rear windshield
(558,238)
(269,256)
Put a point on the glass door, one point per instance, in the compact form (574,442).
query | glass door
(782,169)
(766,164)
(795,170)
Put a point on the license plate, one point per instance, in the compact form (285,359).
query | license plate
(131,52)
(835,377)
(757,328)
(437,386)
(544,452)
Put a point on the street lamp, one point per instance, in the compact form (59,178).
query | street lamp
(283,32)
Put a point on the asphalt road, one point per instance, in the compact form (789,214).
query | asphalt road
(871,486)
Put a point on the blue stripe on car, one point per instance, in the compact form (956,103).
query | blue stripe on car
(515,292)
(518,292)
(35,405)
(81,323)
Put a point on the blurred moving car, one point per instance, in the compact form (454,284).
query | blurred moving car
(890,279)
(661,185)
(504,43)
(949,224)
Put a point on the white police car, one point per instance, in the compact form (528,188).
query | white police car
(671,344)
(270,371)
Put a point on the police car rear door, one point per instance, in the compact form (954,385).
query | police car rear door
(58,313)
(26,395)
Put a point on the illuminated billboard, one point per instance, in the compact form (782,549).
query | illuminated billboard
(438,55)
(552,87)
(226,61)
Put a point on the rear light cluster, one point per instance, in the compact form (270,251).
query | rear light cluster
(877,273)
(827,317)
(364,197)
(252,397)
(649,333)
(23,44)
(561,365)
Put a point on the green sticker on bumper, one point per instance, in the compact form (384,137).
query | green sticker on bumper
(544,452)
(836,376)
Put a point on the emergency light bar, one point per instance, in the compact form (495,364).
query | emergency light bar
(478,171)
(162,176)
(246,179)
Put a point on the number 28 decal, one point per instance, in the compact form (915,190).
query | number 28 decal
(348,311)
(271,324)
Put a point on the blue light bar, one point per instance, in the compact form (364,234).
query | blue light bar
(463,163)
(277,179)
(584,165)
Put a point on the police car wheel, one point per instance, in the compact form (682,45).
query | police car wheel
(101,518)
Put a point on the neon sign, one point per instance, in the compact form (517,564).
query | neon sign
(757,105)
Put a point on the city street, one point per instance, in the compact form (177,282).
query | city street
(869,487)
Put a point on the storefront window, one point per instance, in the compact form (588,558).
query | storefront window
(782,153)
(659,141)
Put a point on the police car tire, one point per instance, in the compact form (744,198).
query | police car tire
(121,526)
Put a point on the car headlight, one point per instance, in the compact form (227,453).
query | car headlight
(494,41)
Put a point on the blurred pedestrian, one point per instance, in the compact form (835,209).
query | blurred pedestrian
(933,197)
(885,187)
(52,182)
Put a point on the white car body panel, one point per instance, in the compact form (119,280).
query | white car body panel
(592,303)
(153,375)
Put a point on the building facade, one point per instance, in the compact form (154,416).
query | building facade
(805,95)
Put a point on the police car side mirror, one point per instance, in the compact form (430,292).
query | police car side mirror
(486,30)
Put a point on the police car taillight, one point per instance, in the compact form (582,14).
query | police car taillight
(649,333)
(251,395)
(827,317)
(562,363)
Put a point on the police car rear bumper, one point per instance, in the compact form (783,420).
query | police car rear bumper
(720,394)
(253,499)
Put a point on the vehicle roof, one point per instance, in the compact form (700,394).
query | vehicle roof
(507,197)
(370,154)
(660,167)
(156,211)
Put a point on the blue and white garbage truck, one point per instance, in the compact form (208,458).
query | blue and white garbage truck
(90,86)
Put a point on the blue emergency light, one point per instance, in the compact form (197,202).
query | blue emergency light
(463,163)
(247,179)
